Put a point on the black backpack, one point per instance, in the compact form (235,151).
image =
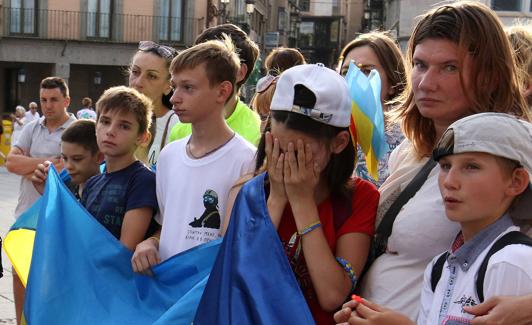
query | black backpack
(511,238)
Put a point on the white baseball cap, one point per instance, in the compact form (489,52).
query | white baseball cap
(500,135)
(333,104)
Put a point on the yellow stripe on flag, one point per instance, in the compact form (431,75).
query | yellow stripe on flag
(18,246)
(364,129)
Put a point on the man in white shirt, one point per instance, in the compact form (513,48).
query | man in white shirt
(32,113)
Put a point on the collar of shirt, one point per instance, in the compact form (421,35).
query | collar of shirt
(466,254)
(71,118)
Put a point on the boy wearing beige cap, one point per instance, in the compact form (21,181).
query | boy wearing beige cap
(486,162)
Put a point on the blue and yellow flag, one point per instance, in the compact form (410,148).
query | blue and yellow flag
(367,117)
(251,281)
(80,273)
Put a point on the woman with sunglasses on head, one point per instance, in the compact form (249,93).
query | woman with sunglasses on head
(377,50)
(460,63)
(279,59)
(149,74)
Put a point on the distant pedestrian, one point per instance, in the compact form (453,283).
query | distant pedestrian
(32,113)
(87,111)
(18,119)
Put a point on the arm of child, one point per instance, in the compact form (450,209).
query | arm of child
(146,254)
(39,176)
(134,226)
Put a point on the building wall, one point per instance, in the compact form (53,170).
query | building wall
(402,15)
(62,48)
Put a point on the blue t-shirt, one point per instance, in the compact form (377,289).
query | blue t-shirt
(109,196)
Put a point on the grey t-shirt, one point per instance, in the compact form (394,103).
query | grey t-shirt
(36,141)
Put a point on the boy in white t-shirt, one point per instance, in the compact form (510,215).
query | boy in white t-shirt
(195,174)
(485,161)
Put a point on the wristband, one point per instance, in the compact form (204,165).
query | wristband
(349,270)
(309,228)
(156,239)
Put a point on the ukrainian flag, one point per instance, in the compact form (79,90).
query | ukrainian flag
(80,273)
(367,117)
(252,281)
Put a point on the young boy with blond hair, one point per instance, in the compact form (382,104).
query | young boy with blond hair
(122,198)
(195,174)
(486,162)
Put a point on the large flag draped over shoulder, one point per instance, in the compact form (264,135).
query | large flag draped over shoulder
(367,117)
(80,273)
(251,281)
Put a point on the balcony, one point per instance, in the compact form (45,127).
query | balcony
(97,27)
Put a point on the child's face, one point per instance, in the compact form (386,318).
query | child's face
(474,187)
(80,163)
(117,133)
(320,152)
(194,99)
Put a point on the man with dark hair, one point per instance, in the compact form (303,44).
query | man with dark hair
(238,115)
(39,141)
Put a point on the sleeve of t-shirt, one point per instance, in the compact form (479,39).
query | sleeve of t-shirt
(509,272)
(364,209)
(24,140)
(141,191)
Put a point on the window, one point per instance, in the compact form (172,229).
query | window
(506,5)
(306,34)
(304,5)
(22,16)
(171,20)
(99,19)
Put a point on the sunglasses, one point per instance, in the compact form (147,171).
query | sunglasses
(265,82)
(164,51)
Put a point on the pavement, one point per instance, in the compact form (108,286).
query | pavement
(9,185)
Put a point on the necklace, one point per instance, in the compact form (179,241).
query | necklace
(208,152)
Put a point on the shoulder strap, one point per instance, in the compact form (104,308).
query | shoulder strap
(385,227)
(437,269)
(165,133)
(511,238)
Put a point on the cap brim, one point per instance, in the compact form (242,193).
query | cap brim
(522,211)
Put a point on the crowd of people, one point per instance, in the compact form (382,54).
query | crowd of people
(160,165)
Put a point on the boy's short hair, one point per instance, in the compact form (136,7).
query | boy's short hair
(86,102)
(221,61)
(55,82)
(498,134)
(83,133)
(248,51)
(125,99)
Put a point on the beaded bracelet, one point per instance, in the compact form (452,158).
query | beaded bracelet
(349,270)
(309,228)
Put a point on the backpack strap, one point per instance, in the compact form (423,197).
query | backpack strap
(437,269)
(511,238)
(385,227)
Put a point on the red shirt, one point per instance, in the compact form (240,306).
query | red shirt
(365,199)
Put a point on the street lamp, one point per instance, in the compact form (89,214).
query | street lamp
(21,75)
(97,78)
(250,6)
